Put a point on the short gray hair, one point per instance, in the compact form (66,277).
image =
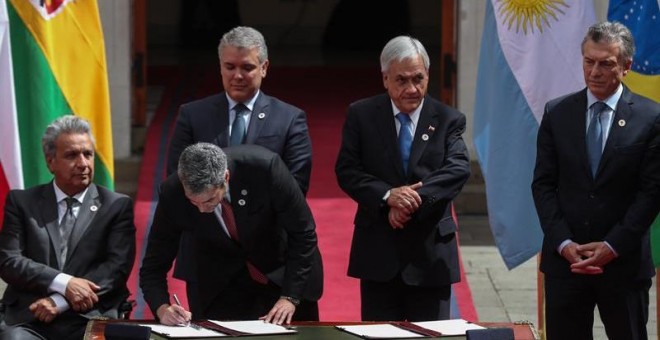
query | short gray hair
(68,124)
(202,167)
(400,48)
(612,32)
(244,37)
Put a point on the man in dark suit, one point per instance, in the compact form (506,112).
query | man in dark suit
(597,190)
(65,264)
(263,120)
(261,260)
(404,248)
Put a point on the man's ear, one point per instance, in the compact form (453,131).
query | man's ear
(49,163)
(227,176)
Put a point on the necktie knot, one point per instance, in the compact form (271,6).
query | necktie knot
(598,108)
(403,118)
(70,202)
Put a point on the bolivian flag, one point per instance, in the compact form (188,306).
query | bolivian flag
(642,17)
(58,68)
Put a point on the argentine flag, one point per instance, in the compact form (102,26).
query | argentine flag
(530,53)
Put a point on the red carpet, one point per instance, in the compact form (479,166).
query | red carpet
(324,93)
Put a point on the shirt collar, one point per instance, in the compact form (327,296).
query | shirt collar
(60,195)
(249,104)
(414,116)
(610,101)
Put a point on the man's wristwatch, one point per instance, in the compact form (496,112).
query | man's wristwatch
(294,301)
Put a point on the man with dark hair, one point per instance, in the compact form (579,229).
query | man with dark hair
(242,114)
(253,236)
(597,190)
(66,247)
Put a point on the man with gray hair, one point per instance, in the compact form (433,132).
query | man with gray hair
(404,248)
(66,247)
(597,190)
(253,235)
(242,114)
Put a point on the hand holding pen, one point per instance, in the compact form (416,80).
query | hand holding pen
(173,315)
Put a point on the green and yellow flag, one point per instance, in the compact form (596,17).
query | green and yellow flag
(59,68)
(642,17)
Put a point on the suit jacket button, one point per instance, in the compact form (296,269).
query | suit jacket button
(592,195)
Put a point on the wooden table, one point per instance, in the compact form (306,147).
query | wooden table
(313,330)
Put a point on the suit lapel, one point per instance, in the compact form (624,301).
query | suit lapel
(577,126)
(386,128)
(222,107)
(623,113)
(423,132)
(90,206)
(50,217)
(258,118)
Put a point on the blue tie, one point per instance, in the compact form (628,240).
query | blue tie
(595,136)
(405,138)
(238,127)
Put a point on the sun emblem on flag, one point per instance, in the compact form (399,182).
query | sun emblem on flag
(49,8)
(528,14)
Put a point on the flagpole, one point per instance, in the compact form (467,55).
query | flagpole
(540,296)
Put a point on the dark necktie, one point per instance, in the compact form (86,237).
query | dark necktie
(238,127)
(230,223)
(405,138)
(595,136)
(66,226)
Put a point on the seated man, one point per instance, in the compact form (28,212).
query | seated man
(66,247)
(255,238)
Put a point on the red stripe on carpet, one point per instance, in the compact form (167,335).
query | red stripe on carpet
(324,93)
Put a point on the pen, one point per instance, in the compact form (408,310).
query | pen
(178,303)
(176,300)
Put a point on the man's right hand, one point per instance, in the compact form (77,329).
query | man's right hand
(405,198)
(81,294)
(173,315)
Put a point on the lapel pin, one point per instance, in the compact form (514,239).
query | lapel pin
(93,208)
(241,202)
(243,192)
(425,137)
(431,128)
(262,115)
(622,123)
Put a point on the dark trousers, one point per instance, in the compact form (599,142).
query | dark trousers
(395,300)
(623,306)
(70,326)
(245,299)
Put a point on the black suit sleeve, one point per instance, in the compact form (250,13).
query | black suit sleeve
(162,248)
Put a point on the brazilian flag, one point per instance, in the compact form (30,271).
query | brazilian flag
(642,17)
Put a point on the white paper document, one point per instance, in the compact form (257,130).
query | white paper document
(379,331)
(183,331)
(452,327)
(254,327)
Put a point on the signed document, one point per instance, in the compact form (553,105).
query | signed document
(213,329)
(398,330)
(254,327)
(192,331)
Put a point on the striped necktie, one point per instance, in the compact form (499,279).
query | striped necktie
(595,136)
(405,138)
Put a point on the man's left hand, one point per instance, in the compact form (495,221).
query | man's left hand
(282,312)
(595,256)
(44,309)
